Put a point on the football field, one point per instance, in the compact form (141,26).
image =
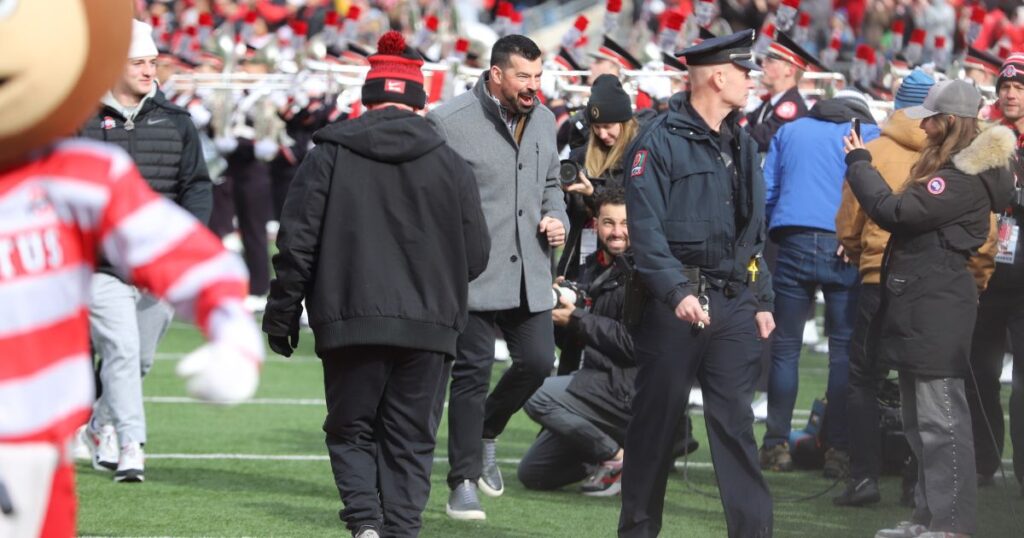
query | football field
(261,469)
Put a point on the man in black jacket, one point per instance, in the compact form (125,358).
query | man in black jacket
(585,414)
(381,232)
(125,323)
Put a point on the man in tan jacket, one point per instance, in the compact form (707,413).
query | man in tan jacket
(894,153)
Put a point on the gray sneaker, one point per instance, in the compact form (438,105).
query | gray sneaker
(367,531)
(463,503)
(490,481)
(903,529)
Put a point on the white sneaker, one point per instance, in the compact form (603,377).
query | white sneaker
(131,466)
(501,352)
(811,333)
(696,398)
(102,446)
(760,407)
(1006,377)
(255,303)
(80,445)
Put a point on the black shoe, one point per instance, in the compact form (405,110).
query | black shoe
(858,493)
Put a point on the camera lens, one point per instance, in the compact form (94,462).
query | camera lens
(567,172)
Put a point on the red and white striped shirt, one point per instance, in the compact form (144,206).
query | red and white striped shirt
(58,213)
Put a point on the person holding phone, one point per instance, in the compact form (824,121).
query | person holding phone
(938,219)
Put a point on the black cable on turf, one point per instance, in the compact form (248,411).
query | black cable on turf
(698,491)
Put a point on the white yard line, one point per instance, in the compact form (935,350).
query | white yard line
(320,402)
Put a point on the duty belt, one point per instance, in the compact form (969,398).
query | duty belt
(698,279)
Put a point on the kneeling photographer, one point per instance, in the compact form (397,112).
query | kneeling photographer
(585,414)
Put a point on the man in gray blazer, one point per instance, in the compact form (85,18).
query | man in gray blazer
(509,140)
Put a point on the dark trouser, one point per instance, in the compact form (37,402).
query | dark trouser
(379,433)
(724,359)
(805,261)
(862,400)
(577,436)
(935,421)
(998,311)
(472,414)
(246,192)
(281,173)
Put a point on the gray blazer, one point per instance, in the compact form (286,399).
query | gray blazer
(518,187)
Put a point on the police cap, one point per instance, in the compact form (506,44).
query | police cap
(734,48)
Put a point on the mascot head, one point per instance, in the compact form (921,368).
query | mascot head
(59,58)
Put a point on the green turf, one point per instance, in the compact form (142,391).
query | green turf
(297,498)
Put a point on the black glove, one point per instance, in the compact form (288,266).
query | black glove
(284,345)
(6,506)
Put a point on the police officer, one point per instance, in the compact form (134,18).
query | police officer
(695,199)
(784,66)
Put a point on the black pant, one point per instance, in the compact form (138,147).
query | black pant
(379,433)
(578,434)
(472,414)
(866,375)
(246,193)
(724,358)
(999,311)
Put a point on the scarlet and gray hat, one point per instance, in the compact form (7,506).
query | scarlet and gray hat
(954,97)
(1012,69)
(611,50)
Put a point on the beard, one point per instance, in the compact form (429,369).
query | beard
(515,100)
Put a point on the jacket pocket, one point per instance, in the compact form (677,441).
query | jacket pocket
(689,241)
(903,291)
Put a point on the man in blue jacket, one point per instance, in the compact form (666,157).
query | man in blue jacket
(803,176)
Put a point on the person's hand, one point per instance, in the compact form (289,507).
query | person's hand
(225,370)
(284,345)
(841,252)
(690,311)
(582,186)
(554,229)
(560,316)
(852,142)
(765,324)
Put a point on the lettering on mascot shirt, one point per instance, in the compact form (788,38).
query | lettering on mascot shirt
(57,214)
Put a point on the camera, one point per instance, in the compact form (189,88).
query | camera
(568,172)
(571,291)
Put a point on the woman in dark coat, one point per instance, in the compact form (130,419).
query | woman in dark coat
(929,299)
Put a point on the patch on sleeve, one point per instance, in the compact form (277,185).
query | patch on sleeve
(639,163)
(786,110)
(936,186)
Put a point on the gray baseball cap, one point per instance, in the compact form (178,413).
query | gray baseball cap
(955,97)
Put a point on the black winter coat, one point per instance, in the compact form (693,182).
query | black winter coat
(609,366)
(929,298)
(381,233)
(687,208)
(164,144)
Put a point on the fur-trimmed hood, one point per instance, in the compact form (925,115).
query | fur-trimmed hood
(988,157)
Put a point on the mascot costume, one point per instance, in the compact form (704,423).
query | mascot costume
(63,204)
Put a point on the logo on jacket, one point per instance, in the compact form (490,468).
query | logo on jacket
(639,163)
(786,110)
(108,123)
(936,186)
(394,86)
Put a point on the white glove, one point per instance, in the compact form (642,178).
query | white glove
(226,144)
(200,115)
(279,100)
(227,369)
(265,149)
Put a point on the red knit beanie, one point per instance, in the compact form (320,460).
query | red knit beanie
(395,74)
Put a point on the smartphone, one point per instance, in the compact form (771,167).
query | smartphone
(855,124)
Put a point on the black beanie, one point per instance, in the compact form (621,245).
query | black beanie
(608,101)
(395,75)
(1012,70)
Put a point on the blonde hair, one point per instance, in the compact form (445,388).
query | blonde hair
(600,158)
(940,149)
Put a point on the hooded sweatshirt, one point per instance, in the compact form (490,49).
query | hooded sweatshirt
(894,154)
(804,169)
(381,232)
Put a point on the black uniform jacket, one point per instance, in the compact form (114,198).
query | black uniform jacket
(687,209)
(609,368)
(381,232)
(766,119)
(929,298)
